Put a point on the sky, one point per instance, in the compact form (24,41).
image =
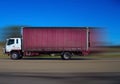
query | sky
(75,13)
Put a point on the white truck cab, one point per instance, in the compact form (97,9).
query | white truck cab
(13,44)
(13,47)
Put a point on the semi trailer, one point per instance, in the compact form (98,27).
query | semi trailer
(66,41)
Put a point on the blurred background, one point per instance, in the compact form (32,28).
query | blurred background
(91,69)
(60,13)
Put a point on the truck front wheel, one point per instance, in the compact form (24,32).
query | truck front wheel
(66,55)
(14,56)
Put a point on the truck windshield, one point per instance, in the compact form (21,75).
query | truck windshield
(10,41)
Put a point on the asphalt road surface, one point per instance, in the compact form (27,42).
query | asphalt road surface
(56,71)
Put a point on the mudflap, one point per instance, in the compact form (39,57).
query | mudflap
(85,53)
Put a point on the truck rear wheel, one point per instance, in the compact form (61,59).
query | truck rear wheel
(15,56)
(66,55)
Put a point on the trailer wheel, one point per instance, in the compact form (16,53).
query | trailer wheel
(66,55)
(15,56)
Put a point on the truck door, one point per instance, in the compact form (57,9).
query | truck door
(10,45)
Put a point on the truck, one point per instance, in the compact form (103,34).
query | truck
(66,41)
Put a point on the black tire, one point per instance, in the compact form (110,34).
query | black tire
(66,55)
(14,56)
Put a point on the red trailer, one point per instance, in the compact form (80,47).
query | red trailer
(64,40)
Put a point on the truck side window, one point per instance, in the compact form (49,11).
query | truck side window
(16,41)
(10,41)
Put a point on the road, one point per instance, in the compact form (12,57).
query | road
(56,71)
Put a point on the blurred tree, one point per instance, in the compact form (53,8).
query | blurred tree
(11,32)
